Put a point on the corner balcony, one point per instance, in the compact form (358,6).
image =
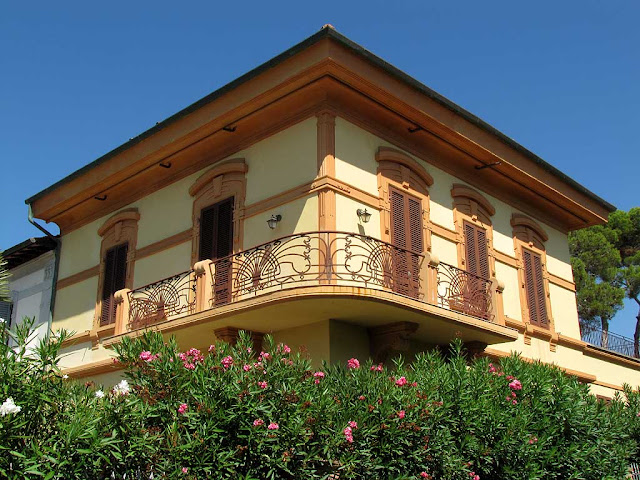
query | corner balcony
(310,277)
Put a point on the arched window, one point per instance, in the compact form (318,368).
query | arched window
(403,189)
(117,258)
(529,240)
(218,213)
(472,219)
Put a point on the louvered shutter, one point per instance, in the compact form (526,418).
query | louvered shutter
(543,319)
(476,253)
(534,286)
(470,248)
(216,242)
(406,233)
(5,312)
(207,226)
(115,274)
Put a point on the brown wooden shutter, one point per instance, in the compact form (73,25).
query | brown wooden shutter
(406,233)
(476,253)
(216,243)
(115,275)
(534,286)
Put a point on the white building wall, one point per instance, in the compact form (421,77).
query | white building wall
(30,286)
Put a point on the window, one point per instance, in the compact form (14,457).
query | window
(216,230)
(534,287)
(406,233)
(529,241)
(117,261)
(115,273)
(216,243)
(476,254)
(5,312)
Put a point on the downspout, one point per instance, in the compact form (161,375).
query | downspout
(52,301)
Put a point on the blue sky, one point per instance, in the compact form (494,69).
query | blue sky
(77,79)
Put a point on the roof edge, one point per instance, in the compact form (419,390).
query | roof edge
(328,31)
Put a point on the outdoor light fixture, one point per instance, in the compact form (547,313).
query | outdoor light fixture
(273,221)
(363,215)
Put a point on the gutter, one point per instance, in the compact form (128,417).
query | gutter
(58,242)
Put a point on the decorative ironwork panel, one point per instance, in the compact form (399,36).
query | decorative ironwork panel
(607,340)
(162,300)
(464,292)
(308,259)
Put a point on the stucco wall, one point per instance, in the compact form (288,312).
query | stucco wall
(281,162)
(30,290)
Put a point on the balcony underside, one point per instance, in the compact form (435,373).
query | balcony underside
(295,307)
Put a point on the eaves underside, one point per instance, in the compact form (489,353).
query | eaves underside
(328,32)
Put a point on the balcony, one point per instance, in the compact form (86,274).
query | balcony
(321,275)
(612,342)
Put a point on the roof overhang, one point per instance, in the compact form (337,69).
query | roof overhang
(326,70)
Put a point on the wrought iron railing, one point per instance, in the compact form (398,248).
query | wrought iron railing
(607,340)
(167,298)
(309,260)
(464,292)
(317,258)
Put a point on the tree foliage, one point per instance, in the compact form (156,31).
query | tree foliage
(606,267)
(238,414)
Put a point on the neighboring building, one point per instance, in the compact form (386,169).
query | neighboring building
(31,265)
(333,201)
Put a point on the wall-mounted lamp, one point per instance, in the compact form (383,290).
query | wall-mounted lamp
(273,221)
(363,215)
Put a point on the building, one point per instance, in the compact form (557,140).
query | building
(32,268)
(331,200)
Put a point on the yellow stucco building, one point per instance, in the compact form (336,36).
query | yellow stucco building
(331,200)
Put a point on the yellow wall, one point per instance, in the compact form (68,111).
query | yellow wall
(348,341)
(445,250)
(347,218)
(298,216)
(313,339)
(564,311)
(75,306)
(511,293)
(162,265)
(282,161)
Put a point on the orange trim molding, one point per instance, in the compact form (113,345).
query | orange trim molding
(388,154)
(78,277)
(519,220)
(94,368)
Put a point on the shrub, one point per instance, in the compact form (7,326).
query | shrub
(239,414)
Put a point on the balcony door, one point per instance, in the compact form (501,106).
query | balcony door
(115,274)
(216,243)
(406,233)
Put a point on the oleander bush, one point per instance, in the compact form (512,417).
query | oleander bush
(235,413)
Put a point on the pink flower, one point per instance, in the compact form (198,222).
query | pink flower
(263,356)
(401,382)
(185,470)
(273,426)
(492,369)
(246,368)
(263,385)
(425,475)
(353,363)
(189,366)
(533,440)
(258,422)
(286,349)
(353,424)
(146,355)
(249,350)
(227,361)
(515,385)
(318,376)
(414,384)
(515,402)
(361,397)
(401,414)
(183,408)
(212,348)
(510,377)
(474,476)
(348,434)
